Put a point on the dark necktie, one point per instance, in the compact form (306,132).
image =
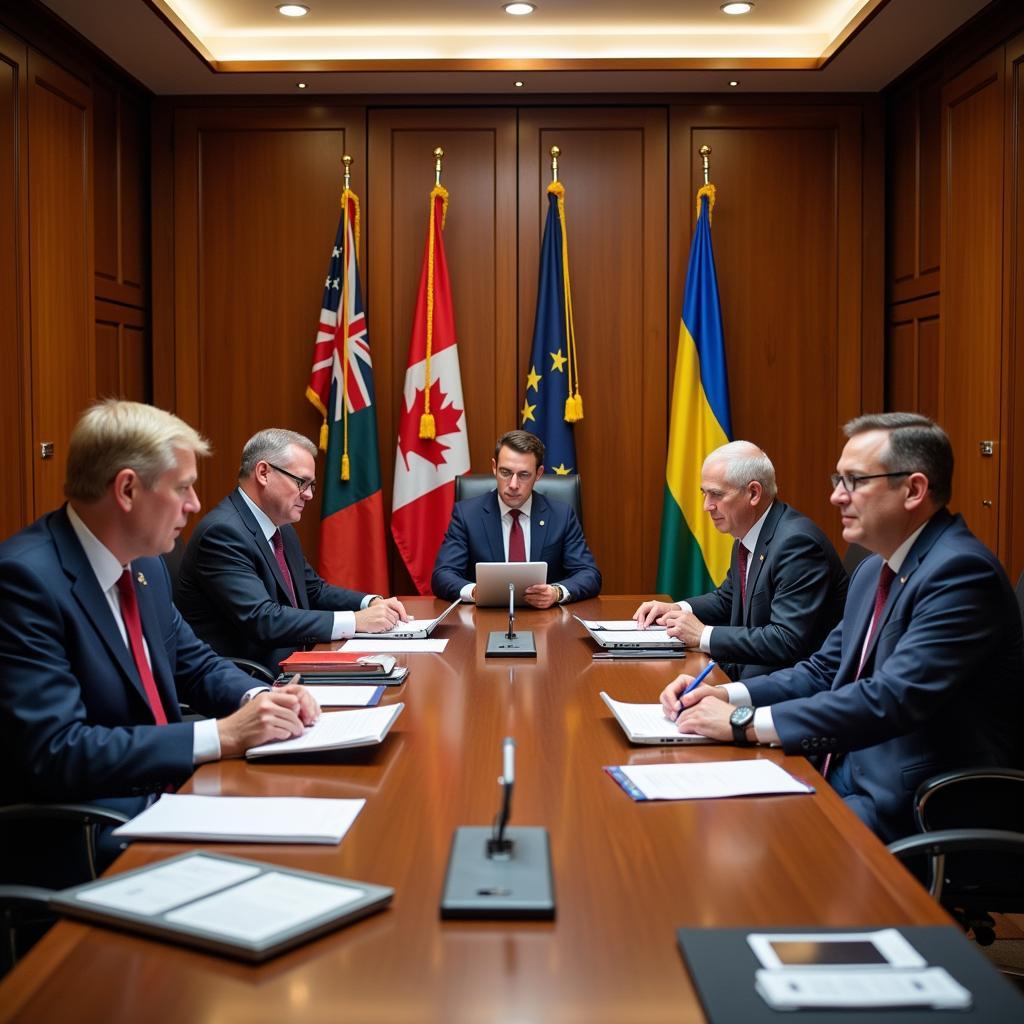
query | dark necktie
(133,627)
(885,578)
(278,543)
(741,560)
(516,541)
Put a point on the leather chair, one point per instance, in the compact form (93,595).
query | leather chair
(552,486)
(855,554)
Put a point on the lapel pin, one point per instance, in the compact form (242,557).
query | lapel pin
(903,579)
(541,522)
(762,558)
(141,578)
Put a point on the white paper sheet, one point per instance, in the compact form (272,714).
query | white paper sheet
(169,886)
(647,637)
(395,646)
(343,696)
(265,906)
(244,819)
(335,731)
(712,779)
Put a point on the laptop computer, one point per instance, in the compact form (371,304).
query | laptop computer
(414,629)
(654,639)
(646,724)
(493,578)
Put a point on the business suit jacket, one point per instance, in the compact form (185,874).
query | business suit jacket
(941,688)
(231,591)
(796,589)
(74,720)
(474,535)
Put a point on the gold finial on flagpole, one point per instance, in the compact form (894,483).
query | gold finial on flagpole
(438,153)
(705,152)
(347,161)
(555,153)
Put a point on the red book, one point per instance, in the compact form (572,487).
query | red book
(338,663)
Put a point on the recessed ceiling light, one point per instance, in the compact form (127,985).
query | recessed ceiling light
(734,83)
(293,10)
(301,85)
(519,85)
(737,8)
(519,9)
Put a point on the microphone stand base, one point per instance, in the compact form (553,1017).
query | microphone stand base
(519,645)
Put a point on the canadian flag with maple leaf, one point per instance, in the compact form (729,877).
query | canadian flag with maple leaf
(433,443)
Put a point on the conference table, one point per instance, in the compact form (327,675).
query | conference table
(626,874)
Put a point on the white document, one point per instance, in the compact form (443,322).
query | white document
(711,780)
(343,696)
(335,731)
(169,886)
(649,637)
(265,906)
(395,646)
(244,819)
(619,625)
(861,989)
(646,723)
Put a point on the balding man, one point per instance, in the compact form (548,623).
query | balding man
(785,588)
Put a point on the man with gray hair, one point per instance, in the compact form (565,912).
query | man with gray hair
(785,588)
(245,587)
(93,655)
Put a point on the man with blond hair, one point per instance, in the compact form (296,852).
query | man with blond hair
(94,657)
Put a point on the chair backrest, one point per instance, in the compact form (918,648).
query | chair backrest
(552,486)
(855,554)
(172,559)
(1020,595)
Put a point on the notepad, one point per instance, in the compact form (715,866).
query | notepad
(244,819)
(335,731)
(647,724)
(705,781)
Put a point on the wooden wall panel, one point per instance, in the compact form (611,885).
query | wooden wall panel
(972,287)
(480,245)
(788,251)
(15,457)
(914,358)
(255,199)
(60,262)
(614,167)
(123,364)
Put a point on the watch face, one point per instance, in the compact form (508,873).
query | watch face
(742,717)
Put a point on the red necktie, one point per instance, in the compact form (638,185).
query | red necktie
(516,541)
(278,543)
(885,578)
(741,559)
(133,627)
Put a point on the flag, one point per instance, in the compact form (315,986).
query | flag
(353,549)
(552,398)
(694,555)
(433,444)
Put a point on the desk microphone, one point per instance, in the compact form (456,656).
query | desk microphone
(498,845)
(511,634)
(511,644)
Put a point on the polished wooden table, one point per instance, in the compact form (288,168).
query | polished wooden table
(626,874)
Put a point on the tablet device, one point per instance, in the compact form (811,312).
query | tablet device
(493,578)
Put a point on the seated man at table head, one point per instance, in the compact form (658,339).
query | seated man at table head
(93,655)
(924,672)
(245,586)
(785,587)
(513,523)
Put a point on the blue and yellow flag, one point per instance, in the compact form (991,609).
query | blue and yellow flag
(694,555)
(552,401)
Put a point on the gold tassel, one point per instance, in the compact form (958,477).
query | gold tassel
(428,429)
(323,436)
(344,467)
(578,401)
(570,409)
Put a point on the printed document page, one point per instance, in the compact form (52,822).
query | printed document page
(712,779)
(644,721)
(336,730)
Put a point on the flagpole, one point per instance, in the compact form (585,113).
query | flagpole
(347,162)
(438,154)
(555,151)
(428,425)
(705,152)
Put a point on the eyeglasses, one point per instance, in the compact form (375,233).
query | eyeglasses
(850,482)
(301,482)
(524,475)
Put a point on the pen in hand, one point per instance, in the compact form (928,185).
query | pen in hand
(696,682)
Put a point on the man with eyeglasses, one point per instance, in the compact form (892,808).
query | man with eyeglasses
(513,524)
(785,587)
(245,586)
(924,672)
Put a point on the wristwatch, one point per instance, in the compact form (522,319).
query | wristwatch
(739,720)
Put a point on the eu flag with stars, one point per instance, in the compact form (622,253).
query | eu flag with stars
(552,400)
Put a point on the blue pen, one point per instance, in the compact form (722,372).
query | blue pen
(697,681)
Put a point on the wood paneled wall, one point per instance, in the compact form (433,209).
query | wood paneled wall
(955,250)
(247,218)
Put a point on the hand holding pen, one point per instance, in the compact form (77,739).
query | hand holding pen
(669,698)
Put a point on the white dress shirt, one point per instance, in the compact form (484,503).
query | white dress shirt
(344,622)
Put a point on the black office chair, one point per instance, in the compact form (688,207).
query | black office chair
(1020,595)
(855,554)
(551,485)
(44,846)
(971,883)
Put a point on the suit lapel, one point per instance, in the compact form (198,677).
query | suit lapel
(492,527)
(262,545)
(540,512)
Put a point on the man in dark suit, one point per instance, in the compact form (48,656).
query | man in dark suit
(924,672)
(245,586)
(514,524)
(93,655)
(785,587)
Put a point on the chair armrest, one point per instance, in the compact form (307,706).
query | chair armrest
(81,814)
(259,672)
(958,840)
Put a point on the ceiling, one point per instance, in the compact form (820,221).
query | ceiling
(473,46)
